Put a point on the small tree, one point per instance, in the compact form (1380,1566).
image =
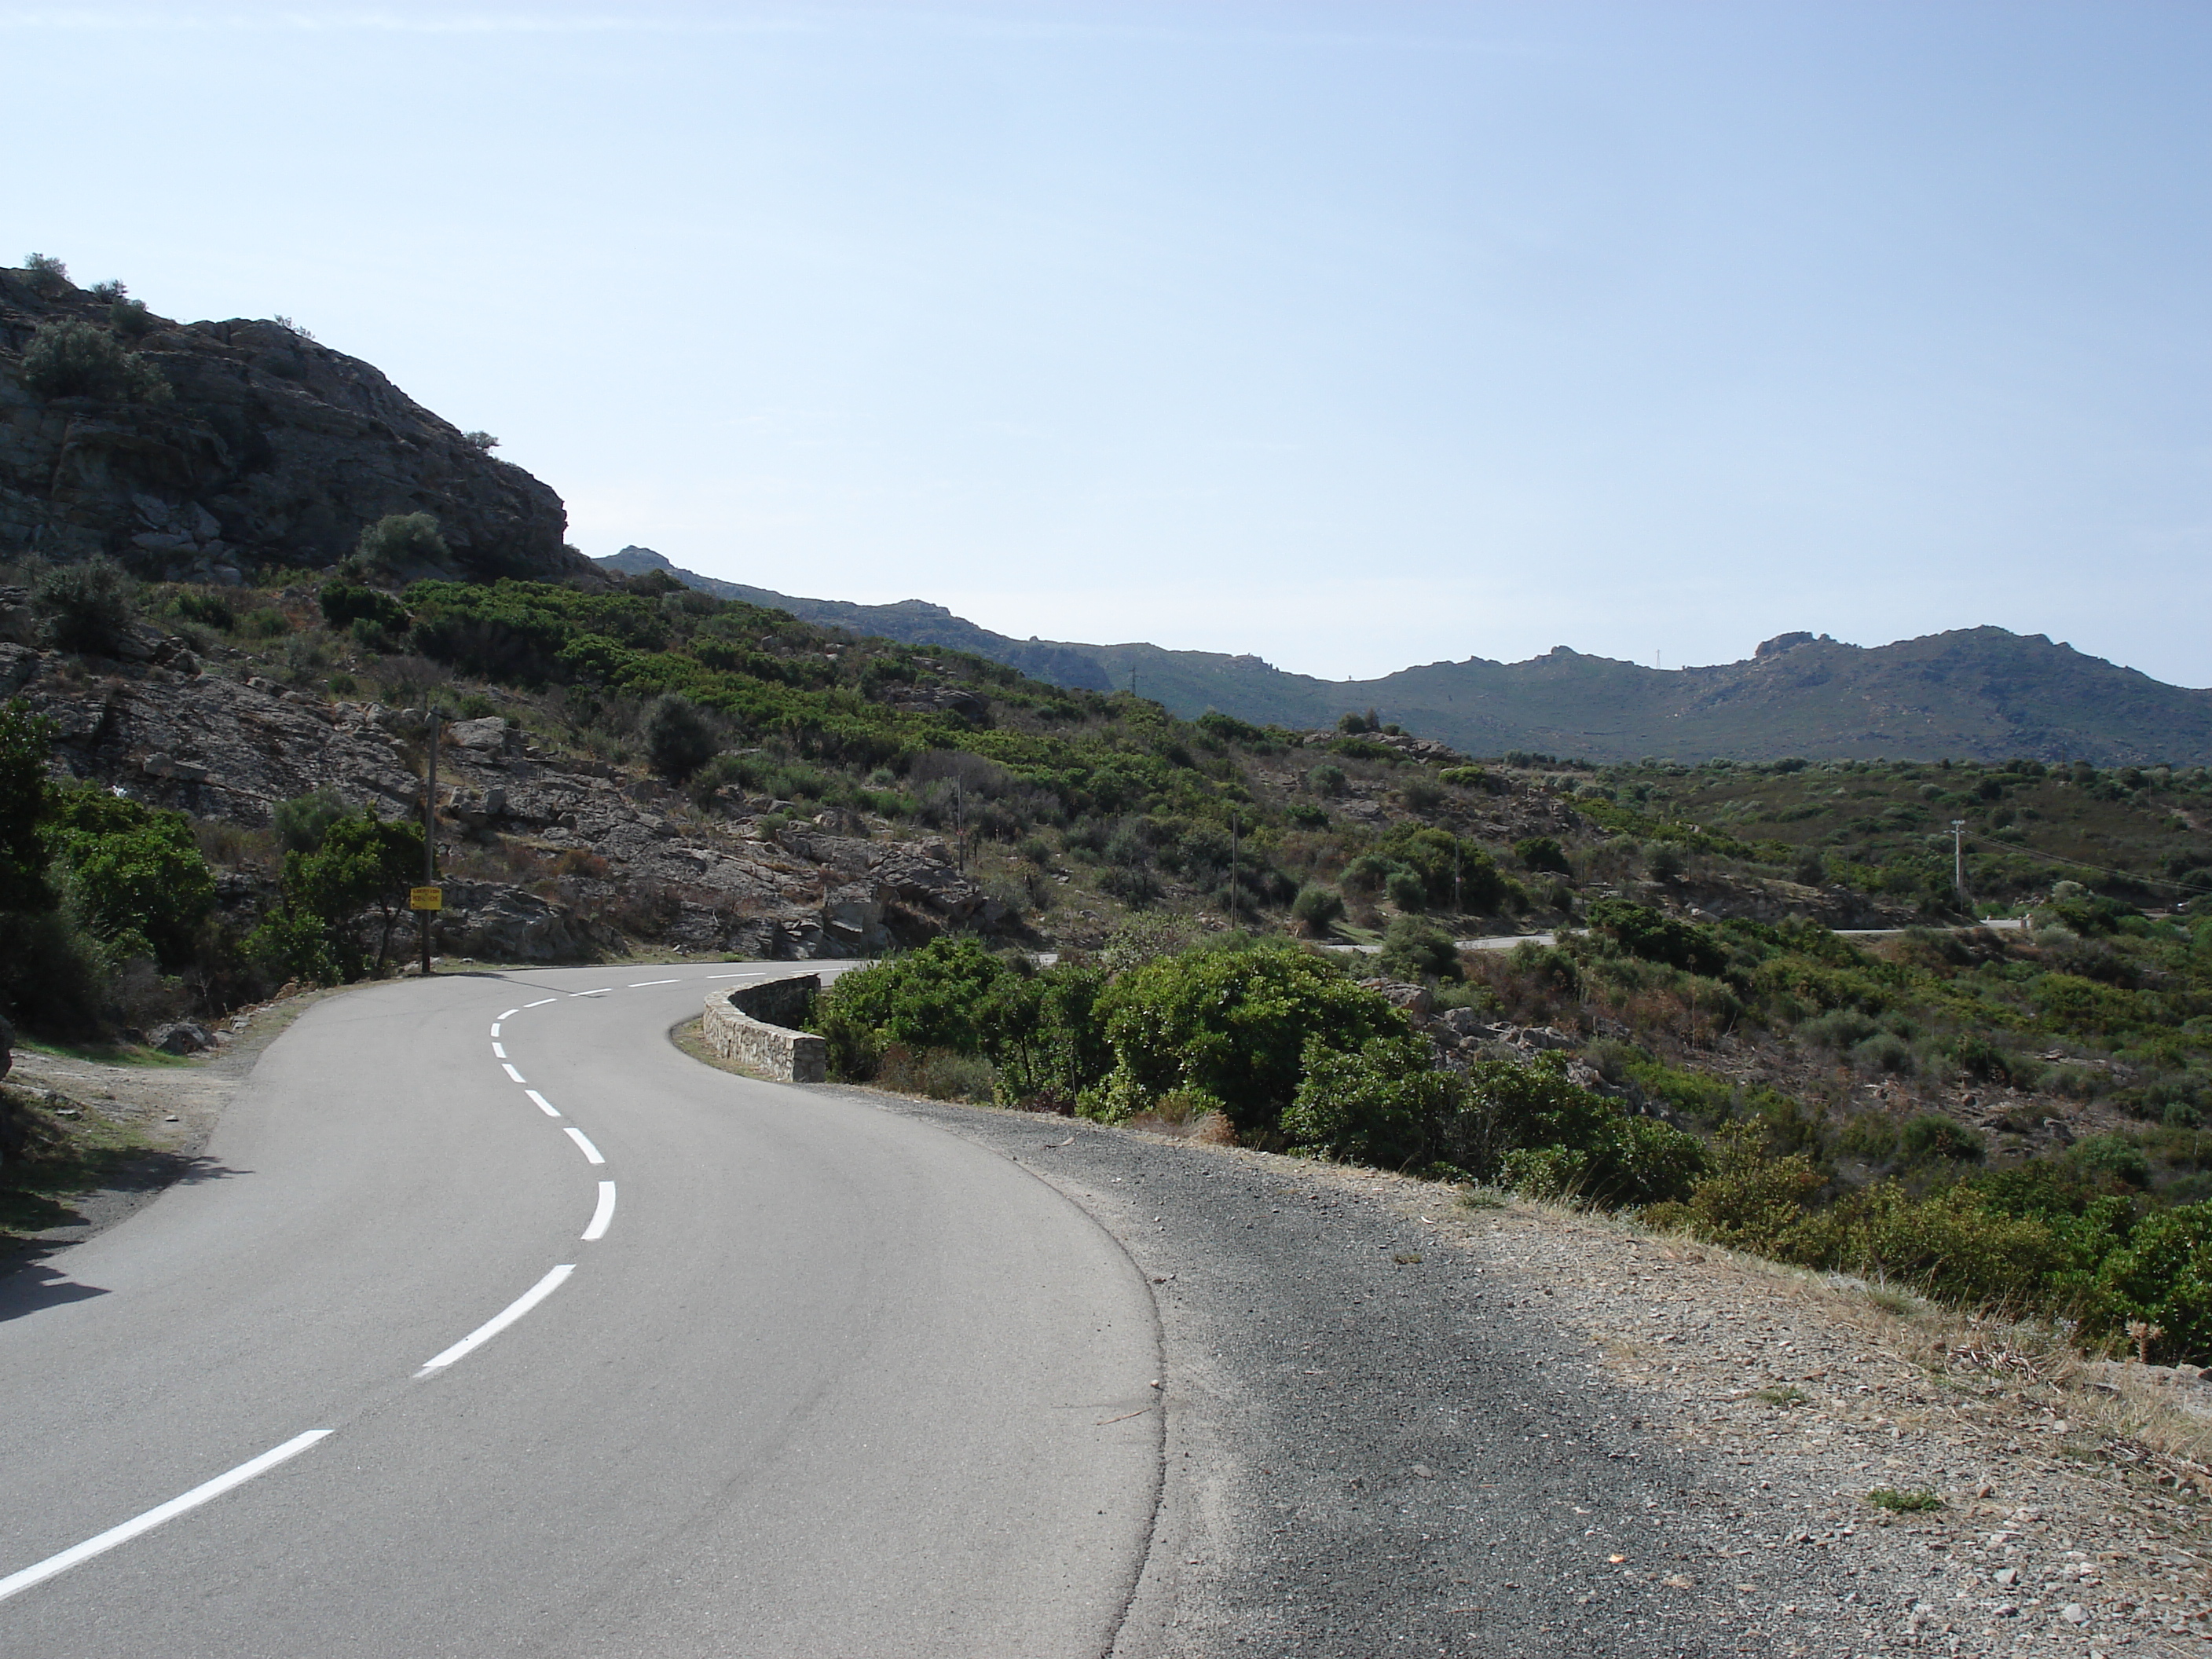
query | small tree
(679,736)
(482,442)
(399,541)
(362,864)
(89,605)
(48,274)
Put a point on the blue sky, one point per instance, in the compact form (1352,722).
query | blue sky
(1353,335)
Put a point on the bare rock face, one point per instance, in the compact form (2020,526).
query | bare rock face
(274,451)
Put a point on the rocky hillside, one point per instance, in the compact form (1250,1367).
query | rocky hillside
(205,452)
(1972,694)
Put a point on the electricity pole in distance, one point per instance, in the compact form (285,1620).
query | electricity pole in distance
(1958,857)
(424,901)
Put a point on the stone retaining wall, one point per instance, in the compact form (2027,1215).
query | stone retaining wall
(736,1028)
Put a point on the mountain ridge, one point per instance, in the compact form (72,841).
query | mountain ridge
(1969,694)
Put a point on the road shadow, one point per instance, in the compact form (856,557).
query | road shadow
(33,1287)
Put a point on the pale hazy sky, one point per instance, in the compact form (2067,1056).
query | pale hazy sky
(1356,335)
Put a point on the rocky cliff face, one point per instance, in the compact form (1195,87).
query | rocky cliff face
(274,451)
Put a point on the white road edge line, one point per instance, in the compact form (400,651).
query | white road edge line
(603,1215)
(544,1104)
(17,1581)
(584,1141)
(540,1003)
(507,1068)
(640,984)
(492,1327)
(510,1013)
(498,1049)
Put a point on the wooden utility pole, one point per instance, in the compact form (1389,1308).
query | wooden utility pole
(1234,849)
(1958,857)
(425,911)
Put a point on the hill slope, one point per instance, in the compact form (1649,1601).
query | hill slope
(1972,694)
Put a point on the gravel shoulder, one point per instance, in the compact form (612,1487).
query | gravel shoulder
(1397,1424)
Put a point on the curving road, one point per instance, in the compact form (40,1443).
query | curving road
(495,1324)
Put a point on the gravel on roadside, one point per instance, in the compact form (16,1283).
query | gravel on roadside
(1398,1425)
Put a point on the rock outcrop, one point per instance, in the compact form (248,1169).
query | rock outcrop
(274,451)
(547,859)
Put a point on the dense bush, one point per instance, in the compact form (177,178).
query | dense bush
(75,359)
(133,873)
(1233,1026)
(1656,936)
(344,604)
(680,737)
(1317,908)
(1525,1126)
(89,605)
(1416,949)
(403,544)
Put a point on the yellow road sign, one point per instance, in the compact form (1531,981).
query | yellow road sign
(426,898)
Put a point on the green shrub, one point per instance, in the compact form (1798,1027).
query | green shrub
(1317,908)
(88,604)
(403,544)
(344,605)
(1233,1025)
(134,873)
(1749,1201)
(1840,1029)
(1416,949)
(1932,1135)
(1387,1105)
(938,1073)
(1885,1052)
(2163,1277)
(1655,936)
(680,737)
(208,610)
(933,998)
(1543,853)
(75,359)
(1325,779)
(302,821)
(1407,890)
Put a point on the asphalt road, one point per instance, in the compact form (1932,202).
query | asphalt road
(820,1378)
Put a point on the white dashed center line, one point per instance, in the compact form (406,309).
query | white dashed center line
(154,1517)
(540,1003)
(543,1104)
(603,1215)
(584,1141)
(640,984)
(499,1321)
(601,992)
(510,1013)
(498,1051)
(511,1073)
